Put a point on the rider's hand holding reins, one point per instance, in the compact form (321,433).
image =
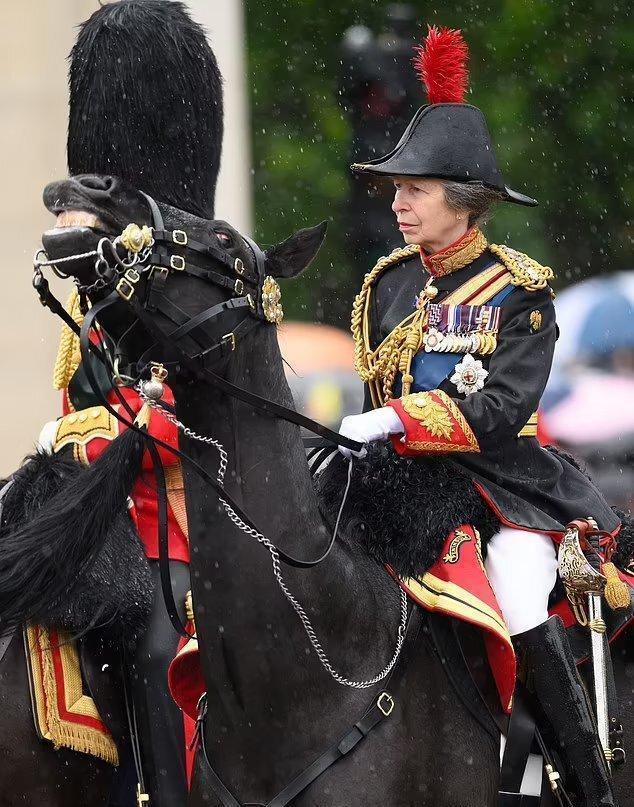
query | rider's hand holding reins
(377,424)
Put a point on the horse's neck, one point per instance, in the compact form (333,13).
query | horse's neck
(266,470)
(237,599)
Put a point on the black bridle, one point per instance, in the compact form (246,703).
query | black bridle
(168,253)
(173,252)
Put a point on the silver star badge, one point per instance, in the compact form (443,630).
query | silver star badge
(469,375)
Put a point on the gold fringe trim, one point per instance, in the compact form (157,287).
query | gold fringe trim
(62,733)
(68,353)
(525,271)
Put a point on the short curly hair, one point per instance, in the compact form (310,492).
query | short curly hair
(474,197)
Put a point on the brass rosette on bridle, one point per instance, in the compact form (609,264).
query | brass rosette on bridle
(271,300)
(135,238)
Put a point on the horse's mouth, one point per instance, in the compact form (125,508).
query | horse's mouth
(76,233)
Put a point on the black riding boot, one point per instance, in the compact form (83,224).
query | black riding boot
(563,712)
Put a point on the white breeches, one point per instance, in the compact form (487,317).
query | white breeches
(522,570)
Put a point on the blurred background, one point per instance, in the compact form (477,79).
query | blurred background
(310,86)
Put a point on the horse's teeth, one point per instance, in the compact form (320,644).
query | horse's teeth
(76,218)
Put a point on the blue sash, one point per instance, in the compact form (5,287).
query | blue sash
(431,369)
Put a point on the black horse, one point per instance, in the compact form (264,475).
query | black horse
(272,708)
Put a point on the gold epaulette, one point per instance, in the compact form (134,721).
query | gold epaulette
(79,428)
(525,271)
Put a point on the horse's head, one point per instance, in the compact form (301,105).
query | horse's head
(195,285)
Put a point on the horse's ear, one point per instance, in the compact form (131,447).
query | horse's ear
(292,256)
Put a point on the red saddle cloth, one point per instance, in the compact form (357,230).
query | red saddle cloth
(457,585)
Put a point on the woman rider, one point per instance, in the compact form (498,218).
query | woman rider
(455,339)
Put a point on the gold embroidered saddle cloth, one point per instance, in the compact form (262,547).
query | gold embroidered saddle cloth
(64,712)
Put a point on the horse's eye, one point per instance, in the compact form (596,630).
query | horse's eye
(224,238)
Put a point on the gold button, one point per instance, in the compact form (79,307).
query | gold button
(72,419)
(95,413)
(83,418)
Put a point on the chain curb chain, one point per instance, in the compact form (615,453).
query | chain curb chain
(275,561)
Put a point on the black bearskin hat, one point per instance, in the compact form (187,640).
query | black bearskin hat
(447,139)
(146,102)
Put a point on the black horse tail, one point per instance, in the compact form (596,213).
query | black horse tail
(63,517)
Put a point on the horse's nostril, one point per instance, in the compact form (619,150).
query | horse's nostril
(97,183)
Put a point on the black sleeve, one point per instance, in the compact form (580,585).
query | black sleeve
(518,369)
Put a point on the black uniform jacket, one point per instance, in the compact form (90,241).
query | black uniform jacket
(528,485)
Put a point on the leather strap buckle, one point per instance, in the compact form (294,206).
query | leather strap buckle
(141,798)
(238,287)
(231,338)
(177,262)
(125,287)
(385,702)
(238,267)
(179,237)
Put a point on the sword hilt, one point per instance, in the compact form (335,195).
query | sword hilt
(580,572)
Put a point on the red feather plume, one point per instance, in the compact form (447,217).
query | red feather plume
(441,64)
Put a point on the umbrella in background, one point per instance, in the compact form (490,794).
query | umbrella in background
(596,323)
(598,409)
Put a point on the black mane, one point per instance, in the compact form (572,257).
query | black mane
(403,508)
(142,73)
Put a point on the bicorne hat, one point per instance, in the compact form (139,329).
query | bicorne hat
(146,102)
(447,139)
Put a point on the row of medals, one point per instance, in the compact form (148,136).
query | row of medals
(481,341)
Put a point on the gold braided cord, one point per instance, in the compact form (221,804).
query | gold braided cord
(68,353)
(384,366)
(525,271)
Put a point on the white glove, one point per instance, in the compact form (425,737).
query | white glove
(47,437)
(377,424)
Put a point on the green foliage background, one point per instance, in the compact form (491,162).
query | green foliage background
(554,79)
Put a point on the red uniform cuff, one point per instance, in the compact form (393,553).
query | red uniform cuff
(433,423)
